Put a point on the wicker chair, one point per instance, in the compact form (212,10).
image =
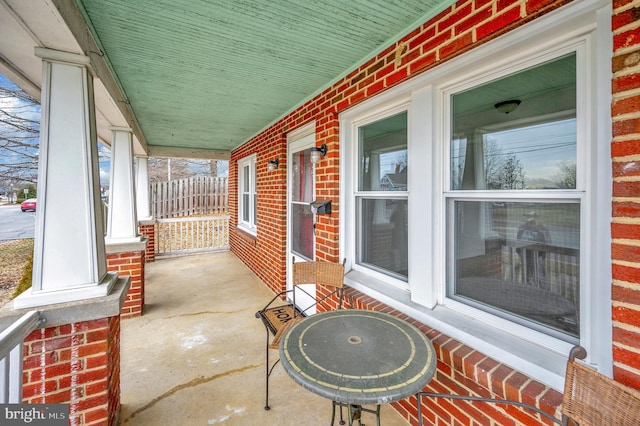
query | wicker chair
(278,317)
(590,398)
(593,399)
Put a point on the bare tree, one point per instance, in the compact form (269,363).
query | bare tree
(163,169)
(493,163)
(511,173)
(20,140)
(19,136)
(566,176)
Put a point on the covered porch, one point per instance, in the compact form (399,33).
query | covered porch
(196,356)
(108,72)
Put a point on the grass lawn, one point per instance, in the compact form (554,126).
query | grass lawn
(13,256)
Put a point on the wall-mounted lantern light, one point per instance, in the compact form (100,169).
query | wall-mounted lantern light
(318,153)
(273,164)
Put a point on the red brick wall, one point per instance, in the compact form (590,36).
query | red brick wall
(76,364)
(130,263)
(625,229)
(457,29)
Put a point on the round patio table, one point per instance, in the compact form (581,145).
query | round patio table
(358,357)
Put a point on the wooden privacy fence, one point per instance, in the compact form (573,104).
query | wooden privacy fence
(191,235)
(203,195)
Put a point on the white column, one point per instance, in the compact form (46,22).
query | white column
(69,261)
(142,189)
(122,220)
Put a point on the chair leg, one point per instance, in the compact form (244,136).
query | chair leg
(267,373)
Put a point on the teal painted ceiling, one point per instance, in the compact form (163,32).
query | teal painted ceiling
(209,74)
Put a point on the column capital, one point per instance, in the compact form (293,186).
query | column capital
(120,129)
(61,56)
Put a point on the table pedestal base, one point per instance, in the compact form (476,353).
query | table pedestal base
(355,413)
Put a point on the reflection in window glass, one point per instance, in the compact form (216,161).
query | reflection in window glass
(302,178)
(530,147)
(301,196)
(382,230)
(519,260)
(384,236)
(533,157)
(383,155)
(302,230)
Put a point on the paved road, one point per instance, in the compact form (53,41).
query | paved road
(14,224)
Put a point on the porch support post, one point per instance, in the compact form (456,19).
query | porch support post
(76,358)
(145,220)
(122,221)
(142,189)
(69,254)
(125,247)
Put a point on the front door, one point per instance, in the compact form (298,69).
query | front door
(301,238)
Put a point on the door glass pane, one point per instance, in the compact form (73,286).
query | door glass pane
(302,176)
(382,150)
(302,238)
(302,230)
(532,146)
(384,236)
(518,260)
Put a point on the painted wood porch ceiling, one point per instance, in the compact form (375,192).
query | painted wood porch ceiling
(210,74)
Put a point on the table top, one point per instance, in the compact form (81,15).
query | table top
(358,357)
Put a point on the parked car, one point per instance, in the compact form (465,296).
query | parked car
(28,204)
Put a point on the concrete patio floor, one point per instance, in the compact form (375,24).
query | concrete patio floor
(196,356)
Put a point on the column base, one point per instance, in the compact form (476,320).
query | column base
(33,298)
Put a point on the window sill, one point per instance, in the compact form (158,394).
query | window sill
(538,362)
(246,235)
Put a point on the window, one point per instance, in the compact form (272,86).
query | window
(498,162)
(381,198)
(513,204)
(247,197)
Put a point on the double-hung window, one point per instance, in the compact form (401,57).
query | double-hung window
(381,197)
(247,196)
(477,195)
(513,198)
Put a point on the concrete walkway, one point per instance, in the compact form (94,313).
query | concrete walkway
(196,356)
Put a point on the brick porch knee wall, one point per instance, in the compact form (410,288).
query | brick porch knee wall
(131,264)
(464,371)
(149,231)
(76,364)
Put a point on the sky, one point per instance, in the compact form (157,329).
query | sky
(540,148)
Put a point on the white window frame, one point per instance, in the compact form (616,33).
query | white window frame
(359,195)
(249,226)
(585,24)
